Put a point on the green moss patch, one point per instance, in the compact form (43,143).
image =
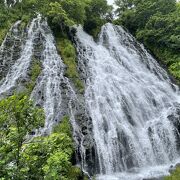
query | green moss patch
(175,175)
(64,127)
(35,71)
(68,53)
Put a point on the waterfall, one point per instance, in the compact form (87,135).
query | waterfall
(48,88)
(127,124)
(10,3)
(53,91)
(10,48)
(20,67)
(129,98)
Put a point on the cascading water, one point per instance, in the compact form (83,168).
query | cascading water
(52,91)
(11,2)
(48,89)
(129,98)
(10,48)
(20,67)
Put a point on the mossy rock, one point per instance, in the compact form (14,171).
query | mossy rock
(35,71)
(68,54)
(64,127)
(175,175)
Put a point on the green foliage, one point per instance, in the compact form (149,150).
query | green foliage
(58,164)
(3,32)
(75,10)
(58,15)
(40,153)
(5,22)
(35,70)
(157,25)
(174,176)
(68,53)
(64,13)
(175,69)
(64,127)
(18,117)
(45,157)
(91,13)
(96,13)
(8,16)
(50,157)
(142,10)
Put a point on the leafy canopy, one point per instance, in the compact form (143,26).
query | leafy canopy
(18,117)
(157,24)
(45,157)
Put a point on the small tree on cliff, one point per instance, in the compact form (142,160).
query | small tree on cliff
(18,117)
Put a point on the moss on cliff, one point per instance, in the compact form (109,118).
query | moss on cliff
(175,175)
(68,54)
(35,71)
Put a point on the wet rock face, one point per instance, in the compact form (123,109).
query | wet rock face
(86,140)
(86,147)
(11,48)
(175,119)
(11,2)
(16,49)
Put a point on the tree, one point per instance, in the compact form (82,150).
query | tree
(66,13)
(44,157)
(39,154)
(134,14)
(96,12)
(18,118)
(156,23)
(49,157)
(123,5)
(58,16)
(75,10)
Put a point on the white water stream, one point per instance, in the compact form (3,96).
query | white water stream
(19,69)
(129,97)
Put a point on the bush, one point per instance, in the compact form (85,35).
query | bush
(68,53)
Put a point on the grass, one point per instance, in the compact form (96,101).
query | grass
(34,73)
(68,54)
(3,32)
(175,70)
(64,127)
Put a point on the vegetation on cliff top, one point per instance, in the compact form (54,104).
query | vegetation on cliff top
(157,25)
